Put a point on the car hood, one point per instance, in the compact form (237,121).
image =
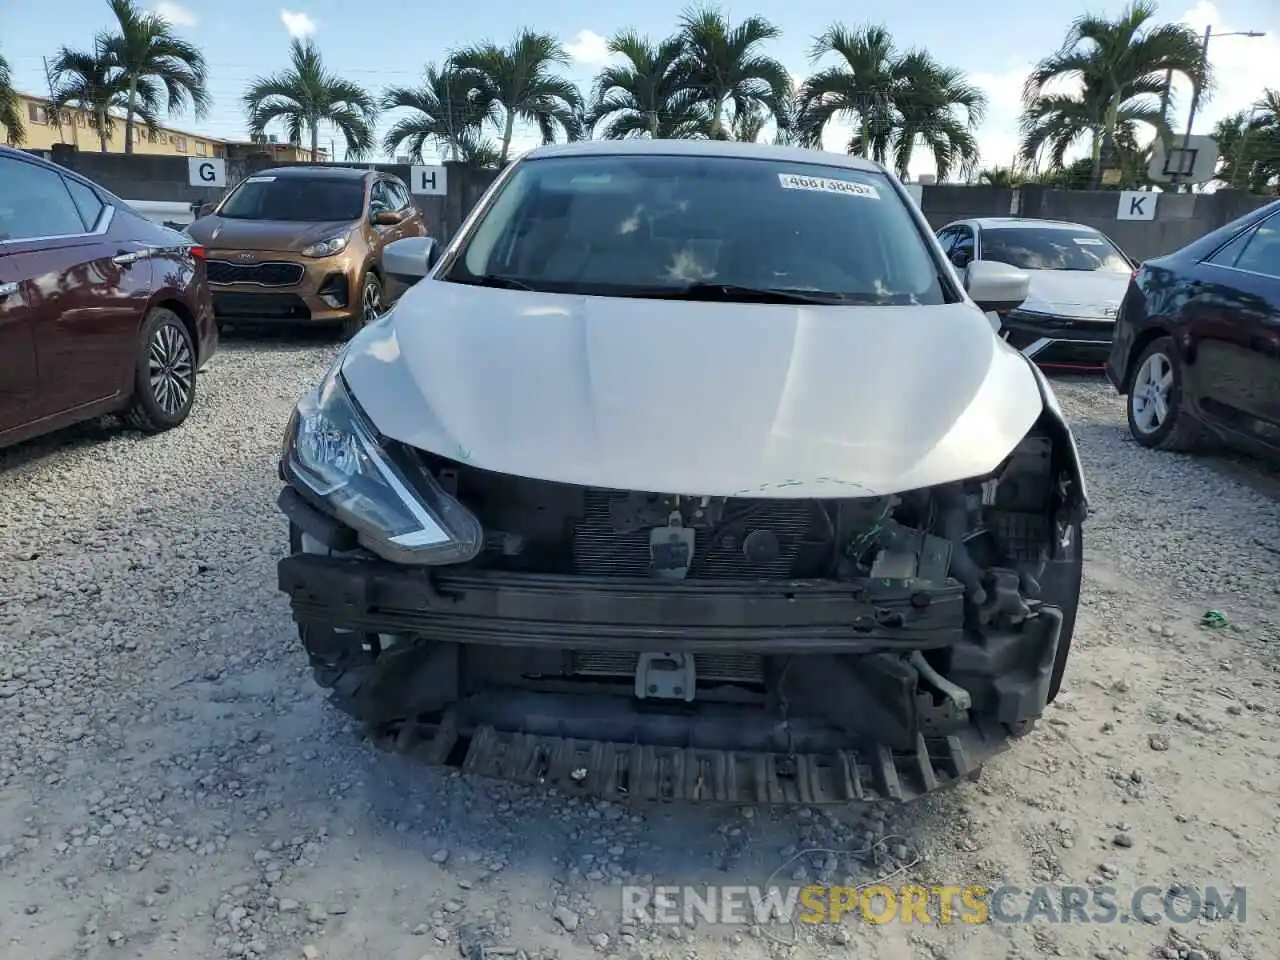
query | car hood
(711,399)
(219,233)
(1076,293)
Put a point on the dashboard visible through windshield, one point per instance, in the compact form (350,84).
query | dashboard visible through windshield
(295,199)
(1028,248)
(662,226)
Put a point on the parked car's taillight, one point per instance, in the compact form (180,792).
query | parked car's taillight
(197,251)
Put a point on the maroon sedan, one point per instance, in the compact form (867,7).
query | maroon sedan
(101,310)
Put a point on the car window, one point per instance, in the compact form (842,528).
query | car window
(1262,254)
(295,199)
(378,197)
(947,238)
(1050,248)
(1226,255)
(962,250)
(34,203)
(628,225)
(398,195)
(86,201)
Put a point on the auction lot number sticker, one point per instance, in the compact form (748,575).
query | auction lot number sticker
(794,181)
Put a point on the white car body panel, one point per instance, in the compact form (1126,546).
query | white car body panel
(705,399)
(1077,294)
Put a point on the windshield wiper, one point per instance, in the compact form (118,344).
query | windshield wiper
(733,293)
(492,280)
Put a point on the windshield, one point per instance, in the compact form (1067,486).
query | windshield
(296,199)
(1030,248)
(653,225)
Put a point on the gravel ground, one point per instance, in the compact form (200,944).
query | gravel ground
(172,784)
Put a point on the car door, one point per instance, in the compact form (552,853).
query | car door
(385,196)
(1233,322)
(413,225)
(947,239)
(962,251)
(18,375)
(81,286)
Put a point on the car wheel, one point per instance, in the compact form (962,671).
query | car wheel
(1157,417)
(164,386)
(370,306)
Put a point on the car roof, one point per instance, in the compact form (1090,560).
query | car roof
(702,148)
(318,172)
(35,158)
(1009,223)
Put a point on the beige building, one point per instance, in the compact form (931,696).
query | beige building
(44,130)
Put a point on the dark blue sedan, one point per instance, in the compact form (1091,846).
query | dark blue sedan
(1197,341)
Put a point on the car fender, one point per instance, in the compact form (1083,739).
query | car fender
(1054,421)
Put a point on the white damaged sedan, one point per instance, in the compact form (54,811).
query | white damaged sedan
(688,470)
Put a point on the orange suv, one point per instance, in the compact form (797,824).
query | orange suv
(304,245)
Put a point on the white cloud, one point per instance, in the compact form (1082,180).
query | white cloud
(175,13)
(588,47)
(1242,67)
(998,138)
(299,25)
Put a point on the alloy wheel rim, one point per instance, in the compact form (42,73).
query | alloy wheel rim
(1149,398)
(172,369)
(371,302)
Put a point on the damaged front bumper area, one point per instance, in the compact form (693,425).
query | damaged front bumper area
(738,691)
(623,643)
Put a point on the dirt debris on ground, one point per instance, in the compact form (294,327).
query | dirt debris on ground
(172,784)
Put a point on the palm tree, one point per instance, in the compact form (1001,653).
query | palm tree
(1001,177)
(447,110)
(859,90)
(649,95)
(89,84)
(894,101)
(149,55)
(728,72)
(519,82)
(747,127)
(1249,142)
(1122,66)
(306,95)
(10,115)
(928,98)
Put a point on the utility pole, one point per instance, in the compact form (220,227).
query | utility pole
(1195,90)
(57,114)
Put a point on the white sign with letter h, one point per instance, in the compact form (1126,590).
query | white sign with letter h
(429,181)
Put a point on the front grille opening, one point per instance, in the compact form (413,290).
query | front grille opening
(270,273)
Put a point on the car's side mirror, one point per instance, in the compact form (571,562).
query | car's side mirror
(960,258)
(205,209)
(387,218)
(996,286)
(410,259)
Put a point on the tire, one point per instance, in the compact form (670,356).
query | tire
(1160,363)
(164,384)
(370,306)
(1061,587)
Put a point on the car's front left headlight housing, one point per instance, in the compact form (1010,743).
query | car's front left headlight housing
(393,503)
(326,248)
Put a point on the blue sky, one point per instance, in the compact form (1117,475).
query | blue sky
(385,43)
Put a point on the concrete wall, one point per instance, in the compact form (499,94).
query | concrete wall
(1179,218)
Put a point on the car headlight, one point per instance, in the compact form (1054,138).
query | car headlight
(393,503)
(326,248)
